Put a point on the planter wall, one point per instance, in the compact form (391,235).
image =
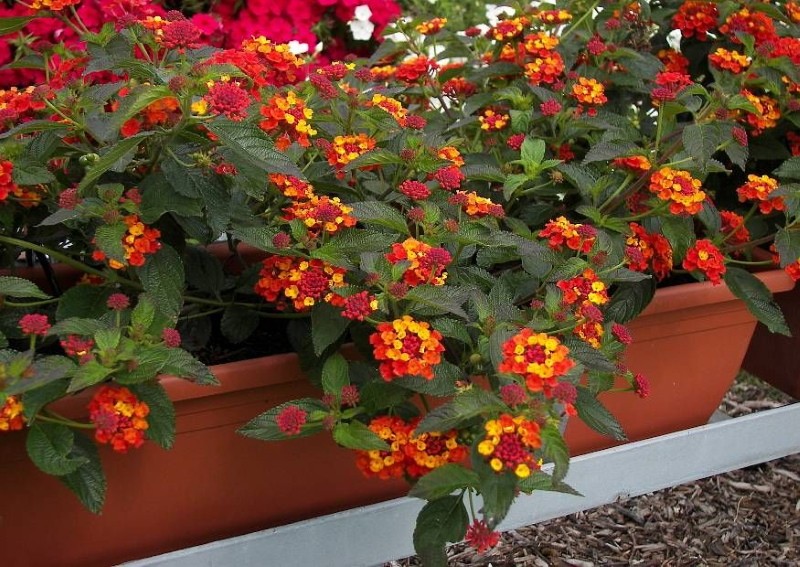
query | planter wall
(776,358)
(689,343)
(216,484)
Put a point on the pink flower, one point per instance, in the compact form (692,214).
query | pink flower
(34,324)
(291,419)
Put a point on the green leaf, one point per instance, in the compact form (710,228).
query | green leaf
(203,270)
(10,25)
(88,482)
(107,339)
(532,151)
(34,126)
(247,143)
(605,151)
(163,277)
(464,406)
(555,450)
(758,299)
(183,365)
(144,313)
(498,490)
(265,428)
(238,323)
(77,326)
(789,169)
(59,217)
(34,400)
(134,102)
(109,160)
(49,446)
(335,375)
(83,302)
(443,481)
(443,383)
(440,521)
(437,300)
(11,286)
(590,357)
(630,299)
(379,213)
(452,328)
(327,326)
(356,435)
(539,480)
(377,156)
(596,416)
(161,419)
(108,239)
(701,141)
(27,173)
(88,374)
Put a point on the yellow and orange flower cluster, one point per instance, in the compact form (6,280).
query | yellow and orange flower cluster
(538,357)
(491,120)
(321,214)
(706,258)
(291,186)
(589,91)
(163,111)
(119,418)
(508,444)
(426,263)
(767,112)
(26,196)
(11,416)
(545,68)
(732,61)
(476,206)
(680,189)
(393,106)
(431,26)
(406,347)
(793,10)
(302,283)
(138,241)
(645,250)
(746,20)
(560,232)
(409,454)
(590,332)
(450,154)
(759,189)
(288,117)
(416,68)
(53,5)
(18,105)
(554,17)
(696,19)
(733,228)
(508,29)
(583,288)
(634,164)
(345,149)
(280,66)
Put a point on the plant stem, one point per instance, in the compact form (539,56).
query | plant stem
(64,421)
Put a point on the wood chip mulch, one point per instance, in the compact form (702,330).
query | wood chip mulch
(749,517)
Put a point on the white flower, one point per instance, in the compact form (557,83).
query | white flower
(361,30)
(296,48)
(360,26)
(493,13)
(363,13)
(674,40)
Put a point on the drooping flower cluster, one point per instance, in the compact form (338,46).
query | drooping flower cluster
(119,418)
(288,280)
(508,444)
(406,347)
(539,358)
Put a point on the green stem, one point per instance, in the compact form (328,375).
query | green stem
(64,421)
(579,21)
(746,218)
(21,304)
(424,401)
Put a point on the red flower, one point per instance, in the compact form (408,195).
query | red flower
(696,19)
(359,306)
(561,232)
(537,357)
(758,189)
(406,347)
(481,537)
(706,258)
(290,420)
(228,99)
(34,324)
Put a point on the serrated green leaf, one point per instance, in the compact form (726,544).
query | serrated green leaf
(443,383)
(464,406)
(88,482)
(381,214)
(757,298)
(789,169)
(437,300)
(630,299)
(247,143)
(49,446)
(88,374)
(335,375)
(161,418)
(106,339)
(443,481)
(110,159)
(539,480)
(183,365)
(163,278)
(498,491)
(439,522)
(555,450)
(327,326)
(595,415)
(265,428)
(590,357)
(203,270)
(27,173)
(108,238)
(356,435)
(787,243)
(34,400)
(11,286)
(83,302)
(10,25)
(77,326)
(238,323)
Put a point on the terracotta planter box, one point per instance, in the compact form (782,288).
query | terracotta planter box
(215,483)
(689,343)
(775,358)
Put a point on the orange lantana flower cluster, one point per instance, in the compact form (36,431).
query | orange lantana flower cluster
(476,206)
(767,112)
(508,444)
(589,91)
(491,120)
(508,29)
(538,357)
(160,112)
(289,118)
(345,149)
(321,214)
(706,258)
(302,283)
(53,5)
(634,164)
(733,227)
(17,106)
(560,232)
(119,417)
(586,287)
(426,263)
(409,454)
(431,26)
(278,65)
(291,186)
(696,19)
(645,250)
(732,61)
(393,106)
(758,189)
(680,189)
(11,416)
(138,241)
(406,347)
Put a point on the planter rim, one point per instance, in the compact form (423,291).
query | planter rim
(689,295)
